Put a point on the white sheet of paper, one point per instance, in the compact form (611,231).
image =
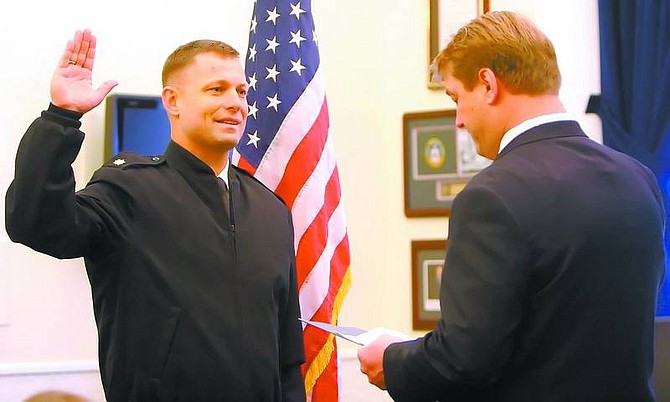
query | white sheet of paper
(357,335)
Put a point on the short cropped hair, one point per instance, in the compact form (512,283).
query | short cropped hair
(519,54)
(184,54)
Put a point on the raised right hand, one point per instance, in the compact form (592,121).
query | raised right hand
(71,86)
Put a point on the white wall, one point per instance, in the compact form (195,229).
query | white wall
(374,54)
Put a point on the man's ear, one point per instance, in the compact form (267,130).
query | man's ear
(489,81)
(169,97)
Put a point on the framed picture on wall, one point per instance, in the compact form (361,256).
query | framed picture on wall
(446,17)
(427,265)
(439,159)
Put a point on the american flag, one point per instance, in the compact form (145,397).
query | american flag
(287,146)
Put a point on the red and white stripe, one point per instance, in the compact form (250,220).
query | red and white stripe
(300,167)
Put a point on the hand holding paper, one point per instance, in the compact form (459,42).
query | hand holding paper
(374,342)
(371,359)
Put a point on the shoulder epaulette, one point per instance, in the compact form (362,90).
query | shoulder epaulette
(128,159)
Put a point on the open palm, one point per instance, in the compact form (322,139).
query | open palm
(71,84)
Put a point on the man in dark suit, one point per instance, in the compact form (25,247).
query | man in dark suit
(191,260)
(555,251)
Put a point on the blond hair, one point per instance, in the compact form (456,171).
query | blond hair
(519,54)
(184,54)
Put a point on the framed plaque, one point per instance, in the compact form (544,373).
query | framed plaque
(439,159)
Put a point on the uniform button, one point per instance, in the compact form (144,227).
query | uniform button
(155,158)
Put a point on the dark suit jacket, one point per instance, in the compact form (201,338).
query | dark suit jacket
(190,305)
(554,260)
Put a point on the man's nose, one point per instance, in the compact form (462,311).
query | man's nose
(232,100)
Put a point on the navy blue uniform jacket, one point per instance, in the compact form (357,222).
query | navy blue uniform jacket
(554,260)
(189,305)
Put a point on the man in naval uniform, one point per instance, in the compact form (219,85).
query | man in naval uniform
(190,260)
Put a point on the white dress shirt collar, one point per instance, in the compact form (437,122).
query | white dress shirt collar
(224,173)
(530,123)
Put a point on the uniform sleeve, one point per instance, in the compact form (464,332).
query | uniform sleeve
(41,208)
(292,352)
(482,290)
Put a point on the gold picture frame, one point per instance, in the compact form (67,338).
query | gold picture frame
(446,17)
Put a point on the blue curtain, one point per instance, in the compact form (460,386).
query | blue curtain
(634,104)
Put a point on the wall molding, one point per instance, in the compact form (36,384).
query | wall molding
(91,366)
(42,368)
